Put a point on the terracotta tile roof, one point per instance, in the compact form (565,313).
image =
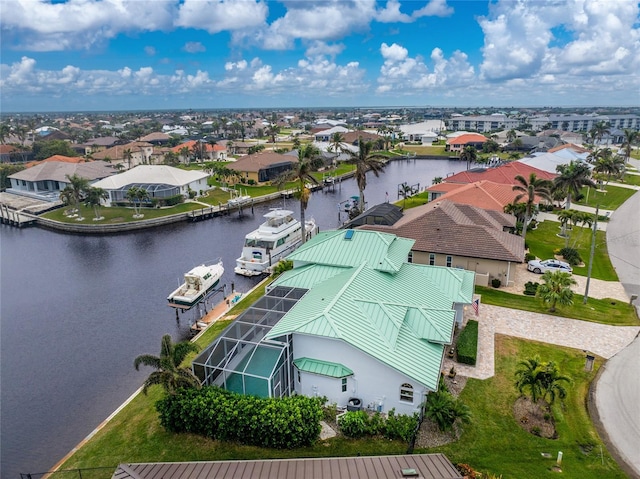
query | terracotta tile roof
(483,194)
(467,138)
(264,159)
(59,159)
(445,227)
(191,143)
(505,173)
(352,136)
(6,149)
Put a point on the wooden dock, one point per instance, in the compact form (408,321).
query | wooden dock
(216,312)
(15,218)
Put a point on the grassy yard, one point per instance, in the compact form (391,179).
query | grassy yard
(494,441)
(428,150)
(606,311)
(118,214)
(631,179)
(610,199)
(543,241)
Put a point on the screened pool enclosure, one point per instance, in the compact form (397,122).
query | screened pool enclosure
(242,361)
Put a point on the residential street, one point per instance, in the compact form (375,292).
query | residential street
(617,391)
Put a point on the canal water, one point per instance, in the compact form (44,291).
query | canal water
(76,310)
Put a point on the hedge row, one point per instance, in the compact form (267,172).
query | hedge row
(357,424)
(218,414)
(468,344)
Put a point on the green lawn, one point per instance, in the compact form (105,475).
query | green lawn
(428,150)
(494,442)
(543,240)
(610,199)
(631,179)
(606,311)
(117,214)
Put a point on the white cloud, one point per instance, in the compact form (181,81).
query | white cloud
(313,20)
(219,15)
(403,74)
(522,40)
(194,47)
(39,25)
(392,14)
(435,8)
(322,48)
(149,50)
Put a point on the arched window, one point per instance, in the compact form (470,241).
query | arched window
(406,392)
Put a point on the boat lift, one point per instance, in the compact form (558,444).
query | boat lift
(205,304)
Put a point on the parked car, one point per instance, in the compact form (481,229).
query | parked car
(540,267)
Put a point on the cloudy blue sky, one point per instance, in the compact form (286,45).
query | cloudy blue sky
(159,54)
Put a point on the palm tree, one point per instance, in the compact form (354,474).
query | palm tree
(599,130)
(365,160)
(168,372)
(529,190)
(511,136)
(337,144)
(137,195)
(556,289)
(94,198)
(630,137)
(571,178)
(76,190)
(127,156)
(469,154)
(529,378)
(272,131)
(405,190)
(301,174)
(444,410)
(551,383)
(184,153)
(5,131)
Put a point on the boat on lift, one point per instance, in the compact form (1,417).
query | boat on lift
(274,239)
(197,283)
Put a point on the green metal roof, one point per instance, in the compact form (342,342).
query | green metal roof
(348,248)
(324,368)
(362,291)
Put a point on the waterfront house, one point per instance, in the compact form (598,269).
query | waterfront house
(483,194)
(352,320)
(129,155)
(263,166)
(460,142)
(46,179)
(461,236)
(161,181)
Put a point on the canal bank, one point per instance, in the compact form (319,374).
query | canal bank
(77,309)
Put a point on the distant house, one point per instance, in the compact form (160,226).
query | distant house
(13,154)
(263,166)
(46,179)
(156,138)
(324,134)
(98,144)
(550,161)
(161,181)
(458,143)
(425,132)
(352,319)
(141,153)
(461,236)
(205,151)
(505,173)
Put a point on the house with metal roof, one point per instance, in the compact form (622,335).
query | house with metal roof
(352,321)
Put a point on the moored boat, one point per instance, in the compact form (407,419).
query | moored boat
(274,239)
(197,283)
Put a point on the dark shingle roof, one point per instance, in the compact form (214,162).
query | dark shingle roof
(462,230)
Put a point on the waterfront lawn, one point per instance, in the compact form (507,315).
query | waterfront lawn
(610,199)
(494,441)
(428,150)
(544,240)
(118,214)
(606,311)
(413,201)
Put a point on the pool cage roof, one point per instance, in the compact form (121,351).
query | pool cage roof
(152,188)
(241,360)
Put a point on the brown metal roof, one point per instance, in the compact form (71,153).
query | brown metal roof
(427,466)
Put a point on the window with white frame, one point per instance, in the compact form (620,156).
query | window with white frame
(344,385)
(449,261)
(432,259)
(406,392)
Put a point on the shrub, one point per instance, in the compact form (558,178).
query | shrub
(529,256)
(266,422)
(571,255)
(400,427)
(173,200)
(354,424)
(251,182)
(468,344)
(530,288)
(495,282)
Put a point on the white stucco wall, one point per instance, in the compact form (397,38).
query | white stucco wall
(372,382)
